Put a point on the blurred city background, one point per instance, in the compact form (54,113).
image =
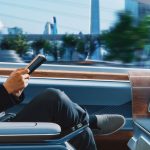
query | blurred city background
(82,32)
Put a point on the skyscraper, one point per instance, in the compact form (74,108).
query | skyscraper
(47,28)
(95,27)
(95,23)
(54,26)
(132,7)
(51,28)
(15,30)
(138,8)
(144,8)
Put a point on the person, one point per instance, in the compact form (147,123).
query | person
(54,105)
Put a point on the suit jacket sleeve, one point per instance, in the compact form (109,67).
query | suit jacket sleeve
(8,100)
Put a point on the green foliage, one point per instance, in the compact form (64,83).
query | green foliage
(69,40)
(69,43)
(122,40)
(80,47)
(144,29)
(90,44)
(38,44)
(54,48)
(6,43)
(18,43)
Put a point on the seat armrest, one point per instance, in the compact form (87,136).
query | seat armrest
(29,132)
(5,117)
(26,131)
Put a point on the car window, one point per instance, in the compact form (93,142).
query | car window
(100,33)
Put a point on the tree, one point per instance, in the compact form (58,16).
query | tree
(18,43)
(144,29)
(70,42)
(90,45)
(80,47)
(54,48)
(6,43)
(124,38)
(38,44)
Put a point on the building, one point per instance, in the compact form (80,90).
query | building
(51,28)
(144,8)
(54,26)
(138,8)
(95,27)
(47,29)
(132,7)
(15,30)
(95,17)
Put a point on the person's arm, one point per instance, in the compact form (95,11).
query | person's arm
(6,100)
(12,88)
(18,99)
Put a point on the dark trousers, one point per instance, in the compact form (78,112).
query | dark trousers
(53,105)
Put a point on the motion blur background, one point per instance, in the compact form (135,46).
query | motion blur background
(80,32)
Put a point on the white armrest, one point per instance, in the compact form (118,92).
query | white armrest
(28,131)
(29,128)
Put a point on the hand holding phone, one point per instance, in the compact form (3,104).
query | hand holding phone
(35,63)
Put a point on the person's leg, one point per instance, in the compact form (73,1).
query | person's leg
(84,141)
(55,106)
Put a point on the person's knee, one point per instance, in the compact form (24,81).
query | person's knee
(52,95)
(52,91)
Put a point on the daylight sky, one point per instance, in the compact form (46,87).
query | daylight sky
(72,16)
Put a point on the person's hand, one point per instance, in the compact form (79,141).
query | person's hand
(17,81)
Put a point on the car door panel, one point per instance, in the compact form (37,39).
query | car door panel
(140,107)
(99,93)
(101,96)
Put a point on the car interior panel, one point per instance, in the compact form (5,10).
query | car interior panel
(140,82)
(128,96)
(107,94)
(74,74)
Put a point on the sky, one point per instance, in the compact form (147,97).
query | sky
(72,16)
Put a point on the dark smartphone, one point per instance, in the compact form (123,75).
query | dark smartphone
(35,63)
